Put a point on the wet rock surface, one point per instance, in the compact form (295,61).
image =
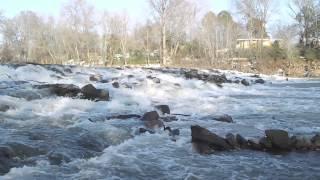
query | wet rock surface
(275,141)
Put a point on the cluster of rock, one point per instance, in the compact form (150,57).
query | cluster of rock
(69,90)
(220,79)
(206,142)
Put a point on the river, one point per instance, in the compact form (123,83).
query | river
(93,147)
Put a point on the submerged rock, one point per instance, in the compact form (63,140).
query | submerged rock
(96,77)
(6,159)
(143,130)
(123,117)
(224,118)
(4,108)
(169,118)
(65,90)
(156,80)
(91,93)
(57,158)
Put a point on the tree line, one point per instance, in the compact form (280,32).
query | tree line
(177,31)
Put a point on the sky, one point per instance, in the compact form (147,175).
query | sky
(137,9)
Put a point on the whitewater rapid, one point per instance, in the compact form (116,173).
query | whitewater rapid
(51,123)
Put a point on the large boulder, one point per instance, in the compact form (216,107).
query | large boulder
(151,120)
(91,93)
(279,139)
(265,143)
(164,109)
(204,136)
(232,141)
(243,143)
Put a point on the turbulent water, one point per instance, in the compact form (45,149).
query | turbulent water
(75,129)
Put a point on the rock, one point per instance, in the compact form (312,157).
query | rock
(279,139)
(24,151)
(115,85)
(164,109)
(202,135)
(143,130)
(156,80)
(316,141)
(4,108)
(57,158)
(175,132)
(91,93)
(123,117)
(65,90)
(68,70)
(245,82)
(130,76)
(255,76)
(303,144)
(150,77)
(231,140)
(92,142)
(265,143)
(96,77)
(218,79)
(236,81)
(169,118)
(104,81)
(224,118)
(254,144)
(202,148)
(243,143)
(260,81)
(6,159)
(151,120)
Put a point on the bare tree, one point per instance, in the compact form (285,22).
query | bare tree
(256,14)
(78,17)
(161,10)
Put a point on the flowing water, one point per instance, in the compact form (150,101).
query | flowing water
(93,147)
